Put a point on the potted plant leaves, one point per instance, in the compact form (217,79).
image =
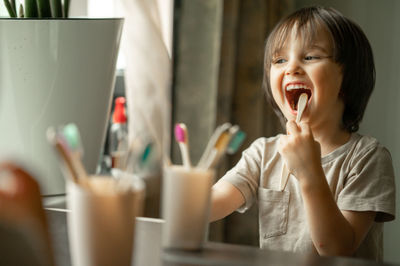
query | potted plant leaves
(38,8)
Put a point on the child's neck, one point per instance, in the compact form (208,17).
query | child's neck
(331,139)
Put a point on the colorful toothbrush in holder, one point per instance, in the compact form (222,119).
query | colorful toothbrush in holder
(225,139)
(186,190)
(181,136)
(66,141)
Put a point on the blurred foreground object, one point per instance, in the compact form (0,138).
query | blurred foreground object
(24,237)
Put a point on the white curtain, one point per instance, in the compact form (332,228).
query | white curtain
(148,72)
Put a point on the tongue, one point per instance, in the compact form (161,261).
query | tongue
(294,95)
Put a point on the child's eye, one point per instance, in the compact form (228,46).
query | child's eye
(279,61)
(311,57)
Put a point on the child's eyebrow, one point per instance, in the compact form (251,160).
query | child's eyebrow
(317,47)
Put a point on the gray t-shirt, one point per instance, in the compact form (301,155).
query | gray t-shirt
(359,173)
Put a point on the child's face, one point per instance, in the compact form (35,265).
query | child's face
(308,68)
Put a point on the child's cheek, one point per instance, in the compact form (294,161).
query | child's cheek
(276,85)
(278,95)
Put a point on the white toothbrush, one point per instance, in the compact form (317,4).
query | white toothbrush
(213,140)
(301,106)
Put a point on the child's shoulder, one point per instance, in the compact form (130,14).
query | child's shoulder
(266,140)
(262,148)
(265,143)
(366,144)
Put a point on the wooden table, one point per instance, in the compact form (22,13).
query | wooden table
(226,254)
(148,251)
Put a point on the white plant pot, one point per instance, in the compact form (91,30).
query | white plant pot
(54,72)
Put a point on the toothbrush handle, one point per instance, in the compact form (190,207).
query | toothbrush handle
(284,178)
(212,160)
(77,162)
(210,145)
(185,154)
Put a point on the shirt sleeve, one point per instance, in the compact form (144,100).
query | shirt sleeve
(370,185)
(246,173)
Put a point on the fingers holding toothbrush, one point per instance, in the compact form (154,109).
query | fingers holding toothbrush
(292,127)
(301,106)
(300,151)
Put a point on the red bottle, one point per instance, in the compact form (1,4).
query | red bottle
(118,142)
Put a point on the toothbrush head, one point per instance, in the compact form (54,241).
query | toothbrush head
(146,152)
(225,137)
(61,147)
(72,137)
(54,137)
(181,133)
(236,142)
(233,130)
(222,141)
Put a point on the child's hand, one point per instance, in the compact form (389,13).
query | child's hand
(301,153)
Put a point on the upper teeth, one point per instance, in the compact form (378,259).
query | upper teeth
(296,87)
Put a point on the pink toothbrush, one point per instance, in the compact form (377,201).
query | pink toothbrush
(181,136)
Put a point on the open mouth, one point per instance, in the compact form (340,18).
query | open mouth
(293,93)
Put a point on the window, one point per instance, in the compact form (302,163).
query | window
(112,8)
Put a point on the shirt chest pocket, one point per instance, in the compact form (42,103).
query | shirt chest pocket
(273,212)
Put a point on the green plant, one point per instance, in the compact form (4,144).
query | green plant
(38,8)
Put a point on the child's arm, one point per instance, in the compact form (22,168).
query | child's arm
(225,199)
(333,232)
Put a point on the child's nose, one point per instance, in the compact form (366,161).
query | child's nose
(293,67)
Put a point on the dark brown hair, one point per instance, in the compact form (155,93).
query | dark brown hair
(351,50)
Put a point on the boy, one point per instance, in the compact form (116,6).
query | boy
(341,185)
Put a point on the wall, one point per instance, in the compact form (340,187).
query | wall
(195,81)
(381,24)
